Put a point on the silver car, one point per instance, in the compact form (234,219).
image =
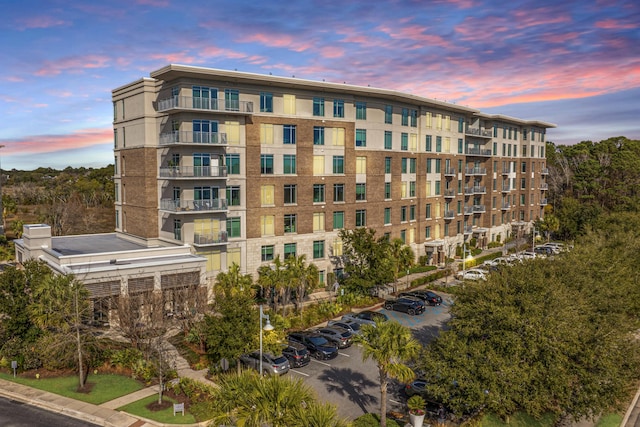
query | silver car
(271,365)
(336,334)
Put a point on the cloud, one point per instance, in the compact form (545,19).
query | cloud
(51,143)
(74,64)
(41,21)
(154,3)
(614,24)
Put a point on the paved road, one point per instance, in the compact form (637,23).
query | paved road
(351,384)
(18,414)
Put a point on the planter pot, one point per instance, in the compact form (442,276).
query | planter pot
(416,420)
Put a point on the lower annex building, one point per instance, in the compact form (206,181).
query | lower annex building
(241,167)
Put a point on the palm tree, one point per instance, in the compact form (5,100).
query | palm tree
(402,258)
(274,278)
(389,344)
(302,277)
(233,282)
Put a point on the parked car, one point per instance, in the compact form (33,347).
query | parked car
(471,275)
(318,346)
(340,336)
(349,324)
(296,353)
(367,317)
(543,250)
(429,297)
(431,406)
(405,305)
(527,255)
(271,365)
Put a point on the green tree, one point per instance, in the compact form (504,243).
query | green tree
(390,345)
(273,282)
(302,277)
(366,260)
(233,282)
(402,257)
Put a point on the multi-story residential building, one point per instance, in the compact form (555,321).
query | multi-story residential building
(244,167)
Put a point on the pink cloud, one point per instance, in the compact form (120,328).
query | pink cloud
(74,64)
(154,3)
(14,79)
(50,143)
(175,58)
(540,16)
(560,38)
(41,22)
(278,40)
(613,24)
(416,33)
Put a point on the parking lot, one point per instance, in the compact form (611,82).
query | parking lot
(353,385)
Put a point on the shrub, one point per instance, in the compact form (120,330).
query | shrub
(144,370)
(125,358)
(372,420)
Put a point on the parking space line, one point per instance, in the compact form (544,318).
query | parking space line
(395,401)
(299,373)
(344,354)
(322,363)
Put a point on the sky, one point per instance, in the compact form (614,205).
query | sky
(575,63)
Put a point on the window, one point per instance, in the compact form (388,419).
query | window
(412,165)
(412,213)
(404,141)
(318,135)
(338,192)
(267,253)
(318,249)
(231,100)
(404,165)
(361,218)
(427,146)
(388,114)
(495,148)
(412,189)
(338,220)
(438,165)
(427,210)
(233,195)
(289,104)
(338,136)
(290,221)
(289,134)
(361,110)
(403,214)
(427,232)
(266,195)
(233,227)
(460,124)
(524,134)
(438,144)
(318,107)
(403,236)
(318,193)
(437,188)
(361,191)
(290,194)
(233,164)
(460,145)
(338,164)
(405,117)
(289,250)
(387,165)
(361,165)
(289,164)
(266,104)
(388,144)
(266,164)
(414,118)
(495,131)
(524,167)
(177,228)
(338,108)
(524,149)
(203,98)
(504,132)
(523,183)
(318,221)
(387,190)
(361,137)
(429,166)
(266,133)
(387,216)
(267,227)
(318,165)
(427,120)
(522,200)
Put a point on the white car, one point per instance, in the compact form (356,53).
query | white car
(471,275)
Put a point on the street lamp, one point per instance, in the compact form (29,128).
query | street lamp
(268,327)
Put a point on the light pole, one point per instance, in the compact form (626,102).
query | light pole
(267,327)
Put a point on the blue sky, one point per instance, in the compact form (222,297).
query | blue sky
(575,63)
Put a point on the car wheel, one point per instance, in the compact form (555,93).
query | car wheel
(318,355)
(388,307)
(411,311)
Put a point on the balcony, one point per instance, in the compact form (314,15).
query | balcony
(449,193)
(212,205)
(468,191)
(543,202)
(449,214)
(482,133)
(203,104)
(506,171)
(506,188)
(210,238)
(478,152)
(193,172)
(187,137)
(449,172)
(479,209)
(544,171)
(468,229)
(475,171)
(468,210)
(479,189)
(506,206)
(544,186)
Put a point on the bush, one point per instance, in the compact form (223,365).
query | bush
(144,370)
(372,420)
(125,358)
(495,244)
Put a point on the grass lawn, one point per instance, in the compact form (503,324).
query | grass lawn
(106,387)
(164,416)
(610,420)
(518,420)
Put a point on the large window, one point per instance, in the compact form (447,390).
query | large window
(318,107)
(427,146)
(266,164)
(318,135)
(338,220)
(361,110)
(205,131)
(232,100)
(318,193)
(387,165)
(204,98)
(338,192)
(387,190)
(438,144)
(403,214)
(404,165)
(233,195)
(414,118)
(412,165)
(387,216)
(361,191)
(388,143)
(289,134)
(361,165)
(318,221)
(388,114)
(404,141)
(266,102)
(318,165)
(290,223)
(233,164)
(289,104)
(361,218)
(318,249)
(290,250)
(338,108)
(361,137)
(405,117)
(267,253)
(267,227)
(338,164)
(289,164)
(290,194)
(427,210)
(233,227)
(266,195)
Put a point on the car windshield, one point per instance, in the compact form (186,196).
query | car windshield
(318,340)
(279,360)
(354,326)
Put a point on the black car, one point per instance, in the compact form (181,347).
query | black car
(336,334)
(429,297)
(318,346)
(296,353)
(348,324)
(406,305)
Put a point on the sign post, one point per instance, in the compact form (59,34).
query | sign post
(14,366)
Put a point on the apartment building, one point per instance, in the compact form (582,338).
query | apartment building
(244,167)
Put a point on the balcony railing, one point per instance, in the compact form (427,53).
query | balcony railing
(449,192)
(468,191)
(506,188)
(506,206)
(181,205)
(210,238)
(506,171)
(485,133)
(543,202)
(544,171)
(478,152)
(193,172)
(468,210)
(207,104)
(449,172)
(449,214)
(475,171)
(468,229)
(479,189)
(188,137)
(478,209)
(544,186)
